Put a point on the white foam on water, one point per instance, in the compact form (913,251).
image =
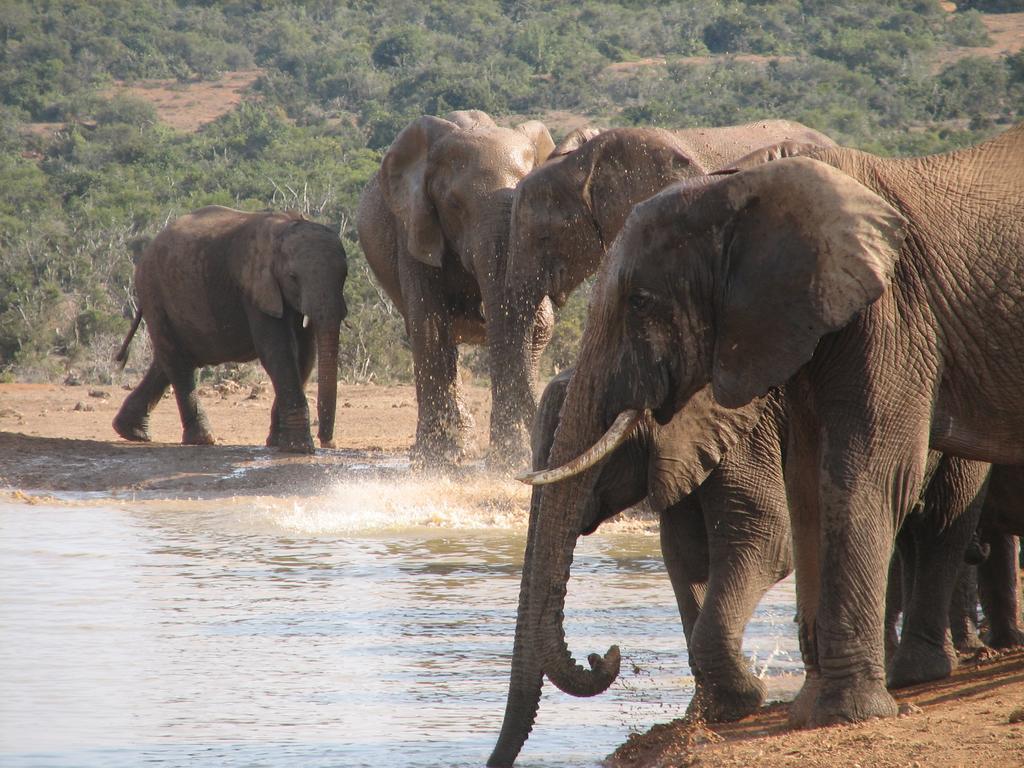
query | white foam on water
(366,506)
(353,507)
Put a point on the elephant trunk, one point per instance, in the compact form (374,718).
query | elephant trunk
(555,524)
(327,379)
(514,349)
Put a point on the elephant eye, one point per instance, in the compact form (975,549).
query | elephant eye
(640,301)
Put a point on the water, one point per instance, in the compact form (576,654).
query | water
(369,626)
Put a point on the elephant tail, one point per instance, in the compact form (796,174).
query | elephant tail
(121,358)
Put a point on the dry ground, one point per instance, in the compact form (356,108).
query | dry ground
(58,438)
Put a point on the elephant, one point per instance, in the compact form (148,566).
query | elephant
(931,549)
(433,224)
(219,285)
(886,295)
(567,211)
(1001,525)
(927,576)
(724,529)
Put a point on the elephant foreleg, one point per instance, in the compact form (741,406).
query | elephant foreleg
(999,591)
(277,348)
(747,520)
(939,535)
(442,419)
(998,579)
(132,420)
(684,548)
(963,611)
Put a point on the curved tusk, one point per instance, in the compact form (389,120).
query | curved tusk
(608,442)
(305,321)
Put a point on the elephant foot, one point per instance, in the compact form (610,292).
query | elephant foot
(434,459)
(132,429)
(917,661)
(327,442)
(291,443)
(722,702)
(851,700)
(438,451)
(801,708)
(1005,637)
(966,639)
(197,435)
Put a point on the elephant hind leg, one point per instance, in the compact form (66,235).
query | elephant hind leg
(132,420)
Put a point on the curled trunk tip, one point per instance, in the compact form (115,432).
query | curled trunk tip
(577,681)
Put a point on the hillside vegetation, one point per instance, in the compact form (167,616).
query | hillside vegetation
(116,116)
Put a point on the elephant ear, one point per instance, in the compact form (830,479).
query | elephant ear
(767,154)
(257,279)
(471,118)
(623,166)
(574,141)
(404,180)
(805,248)
(688,449)
(539,136)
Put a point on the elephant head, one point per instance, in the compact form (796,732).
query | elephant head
(564,215)
(298,267)
(449,183)
(661,463)
(728,281)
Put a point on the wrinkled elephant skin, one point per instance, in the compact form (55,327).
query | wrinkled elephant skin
(219,285)
(834,274)
(433,223)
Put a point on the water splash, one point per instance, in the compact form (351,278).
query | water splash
(373,506)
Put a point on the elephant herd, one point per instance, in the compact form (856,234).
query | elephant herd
(803,356)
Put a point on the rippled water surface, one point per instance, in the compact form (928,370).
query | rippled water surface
(370,626)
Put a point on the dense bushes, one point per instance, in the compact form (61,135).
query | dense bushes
(340,78)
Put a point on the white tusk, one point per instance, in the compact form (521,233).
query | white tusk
(608,442)
(305,321)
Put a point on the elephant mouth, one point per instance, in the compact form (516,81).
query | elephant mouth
(667,400)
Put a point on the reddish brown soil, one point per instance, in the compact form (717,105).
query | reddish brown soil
(190,106)
(1006,31)
(59,438)
(974,718)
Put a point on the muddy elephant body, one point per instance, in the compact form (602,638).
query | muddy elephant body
(833,275)
(724,529)
(569,210)
(433,223)
(219,285)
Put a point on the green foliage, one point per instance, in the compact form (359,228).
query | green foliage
(339,80)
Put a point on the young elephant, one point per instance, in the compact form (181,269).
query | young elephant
(834,274)
(724,528)
(220,285)
(569,210)
(935,587)
(1002,523)
(433,223)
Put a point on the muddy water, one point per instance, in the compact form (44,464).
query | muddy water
(368,626)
